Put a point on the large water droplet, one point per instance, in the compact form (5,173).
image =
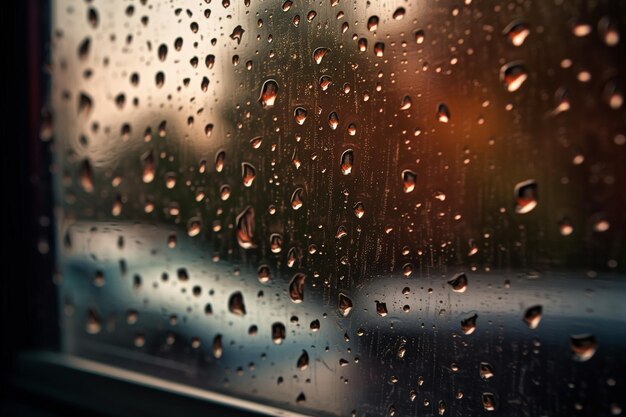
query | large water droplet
(264,274)
(486,371)
(86,176)
(468,325)
(344,304)
(517,32)
(276,243)
(532,316)
(347,162)
(406,103)
(303,361)
(513,75)
(489,401)
(217,346)
(296,288)
(319,54)
(372,23)
(237,34)
(220,158)
(248,174)
(583,346)
(525,196)
(299,114)
(278,333)
(297,198)
(443,113)
(149,167)
(245,228)
(236,304)
(409,179)
(459,282)
(269,92)
(381,309)
(333,120)
(325,82)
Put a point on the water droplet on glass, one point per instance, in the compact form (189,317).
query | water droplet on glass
(333,120)
(149,167)
(237,34)
(517,32)
(406,103)
(217,346)
(468,325)
(319,54)
(263,273)
(278,333)
(525,196)
(359,210)
(276,243)
(94,322)
(344,304)
(325,82)
(296,288)
(245,228)
(372,23)
(532,316)
(566,227)
(299,115)
(583,346)
(486,371)
(609,31)
(219,161)
(86,176)
(443,113)
(489,401)
(297,199)
(379,49)
(248,174)
(303,361)
(409,179)
(419,37)
(269,91)
(399,13)
(459,283)
(347,161)
(381,309)
(513,75)
(236,304)
(256,142)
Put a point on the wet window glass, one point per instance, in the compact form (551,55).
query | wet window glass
(345,207)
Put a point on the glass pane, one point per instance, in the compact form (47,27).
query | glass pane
(336,208)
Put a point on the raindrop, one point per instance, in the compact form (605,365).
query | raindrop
(325,82)
(219,161)
(381,309)
(359,210)
(86,176)
(443,113)
(245,228)
(341,232)
(225,192)
(296,288)
(517,32)
(301,398)
(513,75)
(525,196)
(372,23)
(485,371)
(263,273)
(237,34)
(276,243)
(236,304)
(347,162)
(609,31)
(217,346)
(83,49)
(379,49)
(583,346)
(319,54)
(351,129)
(566,227)
(278,333)
(408,180)
(489,402)
(419,37)
(248,174)
(399,13)
(468,325)
(315,325)
(94,322)
(406,103)
(162,52)
(532,317)
(85,104)
(269,91)
(303,361)
(292,257)
(256,142)
(459,282)
(299,115)
(297,198)
(149,167)
(333,120)
(344,304)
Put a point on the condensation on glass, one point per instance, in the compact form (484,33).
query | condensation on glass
(347,207)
